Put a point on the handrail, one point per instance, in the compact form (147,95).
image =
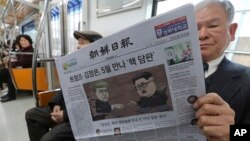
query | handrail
(15,19)
(31,53)
(45,59)
(34,59)
(238,52)
(2,17)
(25,53)
(13,33)
(15,24)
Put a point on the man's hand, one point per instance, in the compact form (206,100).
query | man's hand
(118,106)
(6,59)
(214,117)
(57,114)
(5,52)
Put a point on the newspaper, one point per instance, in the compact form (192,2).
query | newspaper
(137,84)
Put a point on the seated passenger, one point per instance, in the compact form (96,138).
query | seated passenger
(41,119)
(22,60)
(227,83)
(4,64)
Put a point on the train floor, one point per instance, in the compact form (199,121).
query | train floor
(12,120)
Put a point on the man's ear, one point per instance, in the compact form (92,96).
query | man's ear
(232,30)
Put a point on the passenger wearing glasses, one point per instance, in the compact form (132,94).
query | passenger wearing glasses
(150,96)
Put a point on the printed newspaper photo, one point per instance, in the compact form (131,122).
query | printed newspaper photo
(138,84)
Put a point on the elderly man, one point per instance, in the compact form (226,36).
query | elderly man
(40,120)
(227,83)
(86,37)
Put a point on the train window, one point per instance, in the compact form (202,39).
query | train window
(30,30)
(164,6)
(238,50)
(105,7)
(74,15)
(55,31)
(243,19)
(241,5)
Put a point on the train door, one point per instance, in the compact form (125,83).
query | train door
(64,17)
(56,39)
(56,30)
(74,22)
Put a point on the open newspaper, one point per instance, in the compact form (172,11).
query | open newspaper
(137,84)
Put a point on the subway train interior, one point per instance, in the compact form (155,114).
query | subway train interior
(51,24)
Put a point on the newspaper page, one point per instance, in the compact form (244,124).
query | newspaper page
(137,84)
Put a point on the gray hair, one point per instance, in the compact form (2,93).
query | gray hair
(227,6)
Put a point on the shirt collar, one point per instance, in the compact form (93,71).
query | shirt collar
(213,65)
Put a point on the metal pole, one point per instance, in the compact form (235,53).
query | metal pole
(34,60)
(11,40)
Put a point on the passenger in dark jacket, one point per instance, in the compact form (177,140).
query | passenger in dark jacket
(22,60)
(4,54)
(41,119)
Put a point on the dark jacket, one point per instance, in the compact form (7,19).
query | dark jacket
(102,106)
(24,60)
(232,82)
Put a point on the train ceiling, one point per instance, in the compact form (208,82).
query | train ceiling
(22,8)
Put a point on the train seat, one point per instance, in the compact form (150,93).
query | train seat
(45,96)
(22,78)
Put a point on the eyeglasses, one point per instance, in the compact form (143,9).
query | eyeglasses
(142,85)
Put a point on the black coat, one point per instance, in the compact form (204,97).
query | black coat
(24,60)
(232,82)
(102,106)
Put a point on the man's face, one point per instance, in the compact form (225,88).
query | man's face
(144,87)
(215,32)
(102,93)
(82,42)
